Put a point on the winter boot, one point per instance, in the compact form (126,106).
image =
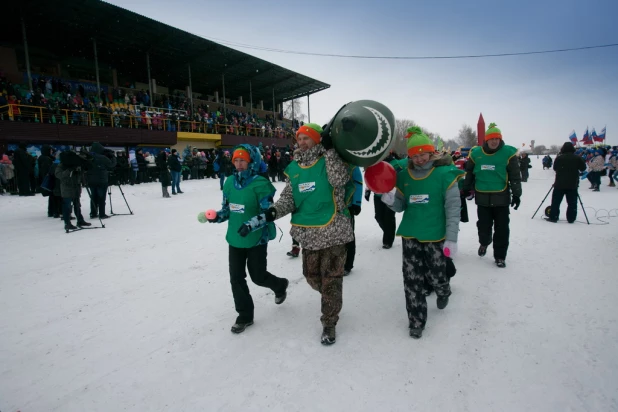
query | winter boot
(596,189)
(482,250)
(294,252)
(442,302)
(611,184)
(280,297)
(346,272)
(416,333)
(165,192)
(500,263)
(69,226)
(386,246)
(239,327)
(83,223)
(180,191)
(328,335)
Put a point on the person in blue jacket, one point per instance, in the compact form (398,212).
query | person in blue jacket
(355,208)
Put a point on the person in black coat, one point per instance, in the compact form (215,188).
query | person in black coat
(567,166)
(103,161)
(175,168)
(273,166)
(45,162)
(524,165)
(22,162)
(141,166)
(164,174)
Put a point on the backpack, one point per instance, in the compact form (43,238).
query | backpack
(48,184)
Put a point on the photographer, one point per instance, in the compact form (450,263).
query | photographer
(69,172)
(103,160)
(567,166)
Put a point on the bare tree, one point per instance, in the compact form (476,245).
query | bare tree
(467,136)
(451,144)
(540,149)
(554,149)
(401,127)
(296,113)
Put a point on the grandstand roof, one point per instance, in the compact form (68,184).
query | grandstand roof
(65,28)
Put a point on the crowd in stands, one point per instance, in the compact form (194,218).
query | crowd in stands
(53,101)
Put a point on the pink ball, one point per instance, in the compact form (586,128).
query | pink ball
(211,214)
(447,252)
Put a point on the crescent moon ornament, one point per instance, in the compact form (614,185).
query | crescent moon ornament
(381,142)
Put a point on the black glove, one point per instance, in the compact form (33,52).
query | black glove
(271,214)
(327,140)
(354,209)
(244,230)
(516,201)
(466,192)
(367,194)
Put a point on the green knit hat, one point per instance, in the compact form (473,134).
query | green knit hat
(493,132)
(418,142)
(312,130)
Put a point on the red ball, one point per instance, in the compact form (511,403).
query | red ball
(381,177)
(211,214)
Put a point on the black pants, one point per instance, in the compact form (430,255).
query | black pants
(386,219)
(23,184)
(350,248)
(97,202)
(255,260)
(556,200)
(66,209)
(498,219)
(464,209)
(54,205)
(524,174)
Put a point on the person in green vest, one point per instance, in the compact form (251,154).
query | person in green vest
(493,173)
(428,195)
(245,195)
(315,195)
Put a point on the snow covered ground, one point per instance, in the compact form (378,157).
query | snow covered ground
(136,317)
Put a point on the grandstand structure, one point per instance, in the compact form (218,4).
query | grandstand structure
(99,57)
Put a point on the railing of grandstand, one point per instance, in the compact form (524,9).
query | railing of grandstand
(210,103)
(39,114)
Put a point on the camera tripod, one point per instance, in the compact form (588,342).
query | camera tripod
(111,207)
(548,208)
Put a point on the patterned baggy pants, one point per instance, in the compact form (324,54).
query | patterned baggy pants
(422,263)
(323,270)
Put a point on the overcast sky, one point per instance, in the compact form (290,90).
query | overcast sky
(540,97)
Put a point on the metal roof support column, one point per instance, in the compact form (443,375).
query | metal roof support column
(149,79)
(191,89)
(96,68)
(224,108)
(23,30)
(308,110)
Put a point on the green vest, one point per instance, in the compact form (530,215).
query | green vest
(424,218)
(314,197)
(490,169)
(244,204)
